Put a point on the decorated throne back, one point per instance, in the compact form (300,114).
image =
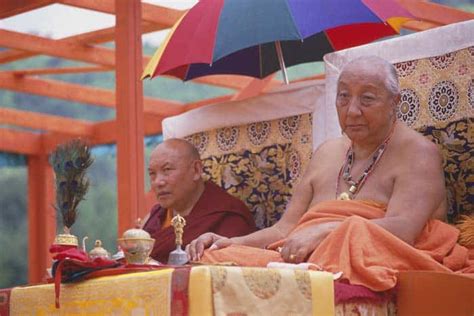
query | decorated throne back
(438,101)
(256,149)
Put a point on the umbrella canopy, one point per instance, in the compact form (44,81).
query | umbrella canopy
(245,37)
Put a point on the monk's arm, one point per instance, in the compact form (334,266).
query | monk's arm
(417,194)
(234,225)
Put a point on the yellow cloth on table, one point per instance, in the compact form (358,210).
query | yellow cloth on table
(200,293)
(143,293)
(212,290)
(262,291)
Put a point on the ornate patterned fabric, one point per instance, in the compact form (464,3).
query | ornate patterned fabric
(259,163)
(437,99)
(136,293)
(260,291)
(366,309)
(197,290)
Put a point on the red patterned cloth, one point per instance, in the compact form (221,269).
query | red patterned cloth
(179,291)
(5,302)
(348,293)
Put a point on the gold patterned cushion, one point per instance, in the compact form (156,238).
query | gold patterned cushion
(437,99)
(259,163)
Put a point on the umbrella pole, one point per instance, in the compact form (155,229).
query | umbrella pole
(282,62)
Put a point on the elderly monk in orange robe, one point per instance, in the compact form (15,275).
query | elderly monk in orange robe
(175,171)
(371,202)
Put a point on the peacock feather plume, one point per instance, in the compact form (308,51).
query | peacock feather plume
(70,162)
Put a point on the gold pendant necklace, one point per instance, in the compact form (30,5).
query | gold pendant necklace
(344,196)
(345,170)
(348,195)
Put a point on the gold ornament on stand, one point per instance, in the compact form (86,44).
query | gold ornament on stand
(178,256)
(70,162)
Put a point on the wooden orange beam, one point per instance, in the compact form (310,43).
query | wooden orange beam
(108,34)
(57,48)
(197,104)
(436,13)
(227,81)
(254,88)
(81,52)
(11,8)
(93,37)
(102,133)
(45,122)
(106,132)
(155,18)
(151,13)
(19,142)
(58,71)
(129,94)
(41,216)
(79,93)
(85,53)
(58,89)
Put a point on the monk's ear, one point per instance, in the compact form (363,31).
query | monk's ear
(396,100)
(197,169)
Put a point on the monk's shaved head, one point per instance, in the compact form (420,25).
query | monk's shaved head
(175,171)
(384,69)
(183,147)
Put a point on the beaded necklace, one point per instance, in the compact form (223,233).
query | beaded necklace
(345,171)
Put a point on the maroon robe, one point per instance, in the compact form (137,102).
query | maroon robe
(216,211)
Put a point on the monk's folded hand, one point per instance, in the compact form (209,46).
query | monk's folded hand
(301,243)
(195,249)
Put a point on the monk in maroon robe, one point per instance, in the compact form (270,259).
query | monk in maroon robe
(175,171)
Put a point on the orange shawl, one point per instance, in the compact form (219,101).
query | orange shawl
(366,253)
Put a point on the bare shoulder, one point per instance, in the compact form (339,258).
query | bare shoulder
(325,156)
(417,168)
(417,148)
(331,147)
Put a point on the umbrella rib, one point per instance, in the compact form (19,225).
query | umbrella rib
(187,72)
(329,39)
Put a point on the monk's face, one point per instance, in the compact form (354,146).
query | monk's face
(174,176)
(365,106)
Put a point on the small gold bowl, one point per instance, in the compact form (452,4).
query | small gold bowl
(136,250)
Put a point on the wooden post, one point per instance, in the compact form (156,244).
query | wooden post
(41,216)
(130,130)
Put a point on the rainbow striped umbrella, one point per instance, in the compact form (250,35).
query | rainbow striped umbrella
(258,37)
